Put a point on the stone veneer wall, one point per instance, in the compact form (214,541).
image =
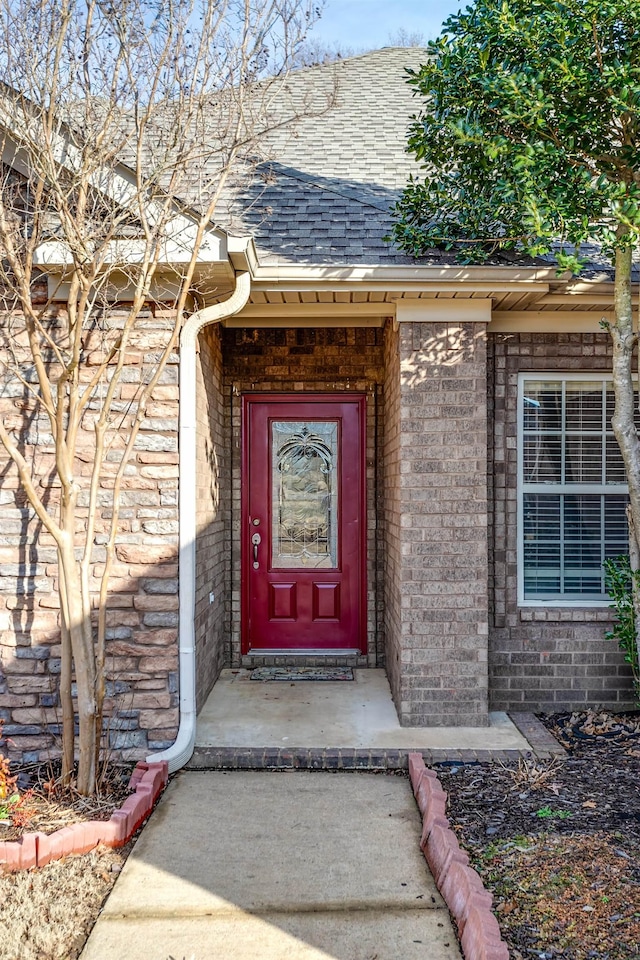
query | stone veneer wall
(436,390)
(212,496)
(142,616)
(541,658)
(326,360)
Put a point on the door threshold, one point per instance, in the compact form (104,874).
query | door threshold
(340,652)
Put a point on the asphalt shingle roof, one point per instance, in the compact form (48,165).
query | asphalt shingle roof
(323,186)
(323,191)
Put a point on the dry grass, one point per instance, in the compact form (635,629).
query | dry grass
(532,774)
(47,914)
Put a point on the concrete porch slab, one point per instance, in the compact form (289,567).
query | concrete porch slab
(246,714)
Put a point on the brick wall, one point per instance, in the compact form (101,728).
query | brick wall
(287,361)
(435,448)
(426,538)
(142,616)
(541,658)
(212,504)
(392,556)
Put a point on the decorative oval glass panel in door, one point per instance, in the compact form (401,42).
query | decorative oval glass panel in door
(304,463)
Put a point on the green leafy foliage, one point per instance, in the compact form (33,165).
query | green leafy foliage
(548,813)
(529,131)
(14,806)
(618,579)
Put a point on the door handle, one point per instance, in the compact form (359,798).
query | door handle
(256,539)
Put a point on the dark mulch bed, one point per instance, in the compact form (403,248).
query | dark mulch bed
(47,805)
(558,842)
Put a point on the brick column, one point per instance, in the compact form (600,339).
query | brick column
(436,512)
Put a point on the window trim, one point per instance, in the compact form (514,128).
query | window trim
(562,602)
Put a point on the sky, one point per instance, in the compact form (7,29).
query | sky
(368,24)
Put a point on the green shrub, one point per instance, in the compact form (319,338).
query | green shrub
(618,578)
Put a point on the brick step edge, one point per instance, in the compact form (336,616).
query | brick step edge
(335,758)
(147,782)
(461,887)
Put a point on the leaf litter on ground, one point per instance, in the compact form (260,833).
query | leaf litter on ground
(558,842)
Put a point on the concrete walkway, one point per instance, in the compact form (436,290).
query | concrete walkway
(277,866)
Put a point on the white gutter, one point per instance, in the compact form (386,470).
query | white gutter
(180,751)
(308,276)
(362,274)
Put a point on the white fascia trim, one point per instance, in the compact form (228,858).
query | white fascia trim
(402,275)
(443,311)
(392,279)
(180,751)
(175,249)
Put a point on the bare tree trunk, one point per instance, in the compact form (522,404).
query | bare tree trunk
(81,641)
(634,563)
(66,673)
(623,423)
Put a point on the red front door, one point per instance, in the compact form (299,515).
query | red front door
(303,523)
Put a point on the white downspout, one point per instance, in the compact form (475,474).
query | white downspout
(180,751)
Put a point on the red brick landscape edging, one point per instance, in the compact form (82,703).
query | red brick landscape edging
(147,782)
(462,889)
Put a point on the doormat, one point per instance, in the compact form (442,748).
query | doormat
(302,673)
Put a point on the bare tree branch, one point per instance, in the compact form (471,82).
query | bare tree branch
(121,125)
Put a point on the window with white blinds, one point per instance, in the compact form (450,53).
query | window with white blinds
(572,489)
